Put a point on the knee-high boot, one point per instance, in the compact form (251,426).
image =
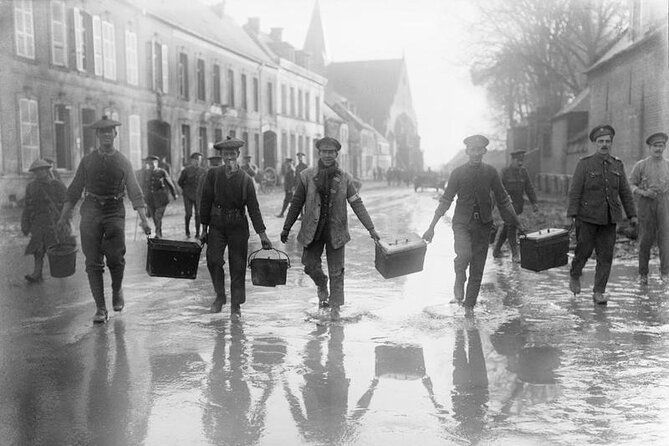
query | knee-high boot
(96,282)
(187,223)
(118,302)
(197,226)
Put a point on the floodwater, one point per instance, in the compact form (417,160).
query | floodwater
(534,366)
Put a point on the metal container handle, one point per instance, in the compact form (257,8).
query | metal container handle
(254,254)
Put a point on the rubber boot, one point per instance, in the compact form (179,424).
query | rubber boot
(187,223)
(515,255)
(96,282)
(36,276)
(117,289)
(197,226)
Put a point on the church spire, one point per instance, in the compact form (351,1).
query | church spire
(315,41)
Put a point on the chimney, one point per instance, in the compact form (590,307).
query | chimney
(275,34)
(253,25)
(219,8)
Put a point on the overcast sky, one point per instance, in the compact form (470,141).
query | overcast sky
(432,36)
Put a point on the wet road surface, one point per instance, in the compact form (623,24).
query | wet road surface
(534,366)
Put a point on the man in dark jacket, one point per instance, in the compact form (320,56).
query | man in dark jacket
(301,165)
(324,191)
(517,183)
(599,192)
(160,185)
(188,181)
(473,183)
(105,174)
(289,180)
(226,192)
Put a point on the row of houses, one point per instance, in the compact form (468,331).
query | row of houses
(628,88)
(178,76)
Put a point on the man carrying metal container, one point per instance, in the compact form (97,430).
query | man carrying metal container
(599,192)
(473,183)
(323,191)
(105,175)
(226,191)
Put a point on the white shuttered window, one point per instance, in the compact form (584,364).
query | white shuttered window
(132,72)
(23,28)
(58,34)
(135,140)
(79,38)
(165,68)
(97,44)
(109,50)
(29,132)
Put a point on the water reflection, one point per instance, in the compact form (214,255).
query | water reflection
(230,415)
(469,396)
(325,417)
(109,396)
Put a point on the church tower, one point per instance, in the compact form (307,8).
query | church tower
(314,43)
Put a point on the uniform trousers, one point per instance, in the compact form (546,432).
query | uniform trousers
(471,249)
(311,259)
(102,230)
(601,239)
(236,239)
(653,227)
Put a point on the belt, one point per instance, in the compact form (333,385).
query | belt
(104,197)
(229,211)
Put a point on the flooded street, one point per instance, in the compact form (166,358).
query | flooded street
(534,366)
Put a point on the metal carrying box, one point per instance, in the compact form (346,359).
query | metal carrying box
(544,249)
(399,257)
(172,258)
(268,271)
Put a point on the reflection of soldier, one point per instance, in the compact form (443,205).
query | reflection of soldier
(517,183)
(325,391)
(470,384)
(650,182)
(160,185)
(231,417)
(44,201)
(188,182)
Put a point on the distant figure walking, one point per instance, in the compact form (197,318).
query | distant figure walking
(160,185)
(188,181)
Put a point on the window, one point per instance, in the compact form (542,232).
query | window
(256,93)
(270,98)
(202,140)
(307,106)
(300,104)
(23,28)
(300,144)
(283,100)
(256,145)
(58,34)
(200,80)
(183,75)
(185,142)
(135,140)
(284,142)
(231,88)
(63,133)
(83,40)
(244,104)
(318,108)
(109,50)
(158,66)
(29,132)
(165,68)
(97,45)
(218,134)
(88,117)
(232,133)
(292,101)
(292,144)
(217,84)
(131,67)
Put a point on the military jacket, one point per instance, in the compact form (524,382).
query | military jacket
(599,191)
(517,183)
(189,179)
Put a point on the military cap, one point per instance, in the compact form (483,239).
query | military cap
(601,130)
(657,137)
(152,158)
(104,123)
(518,154)
(476,141)
(39,164)
(300,154)
(328,141)
(195,155)
(230,143)
(214,157)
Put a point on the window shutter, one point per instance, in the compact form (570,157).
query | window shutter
(97,45)
(88,51)
(165,68)
(149,65)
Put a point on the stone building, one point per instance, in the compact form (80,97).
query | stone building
(177,75)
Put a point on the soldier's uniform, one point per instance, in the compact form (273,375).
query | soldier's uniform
(599,192)
(105,177)
(159,185)
(249,168)
(300,165)
(517,183)
(650,182)
(289,180)
(189,179)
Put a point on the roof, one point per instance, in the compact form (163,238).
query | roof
(624,44)
(201,21)
(371,83)
(580,103)
(349,116)
(329,113)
